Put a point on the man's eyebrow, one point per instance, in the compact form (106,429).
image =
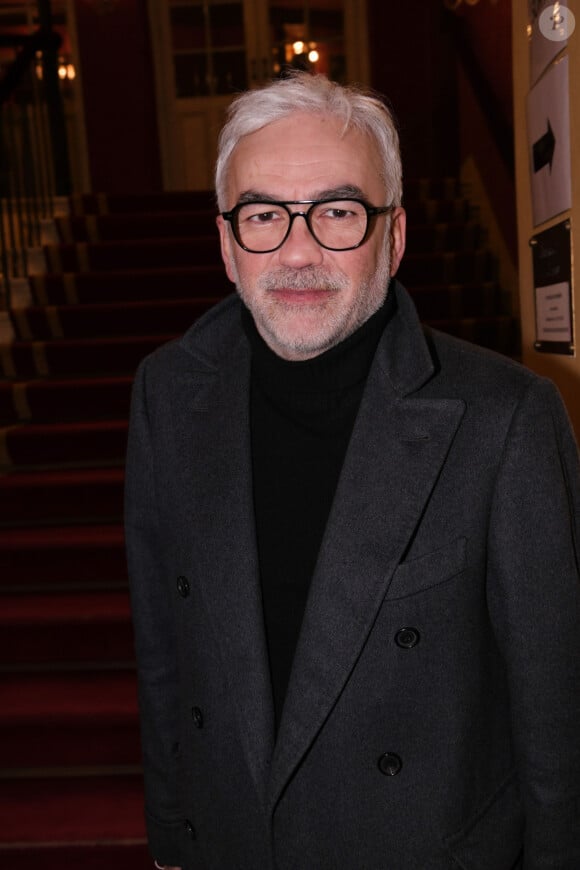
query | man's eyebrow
(256,196)
(345,191)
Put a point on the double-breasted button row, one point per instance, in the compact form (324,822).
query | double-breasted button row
(390,764)
(183,586)
(407,638)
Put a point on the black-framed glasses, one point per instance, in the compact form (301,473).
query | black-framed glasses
(336,224)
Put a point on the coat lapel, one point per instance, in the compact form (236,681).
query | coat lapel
(217,487)
(396,451)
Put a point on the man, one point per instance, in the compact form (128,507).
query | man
(352,543)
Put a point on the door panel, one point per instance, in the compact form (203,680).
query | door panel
(207,50)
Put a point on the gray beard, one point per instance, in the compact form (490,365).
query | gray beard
(372,295)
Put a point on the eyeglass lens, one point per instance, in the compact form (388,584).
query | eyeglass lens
(338,225)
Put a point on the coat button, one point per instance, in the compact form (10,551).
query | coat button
(197,717)
(183,586)
(190,829)
(390,764)
(407,638)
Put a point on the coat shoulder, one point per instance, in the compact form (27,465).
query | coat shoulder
(473,370)
(205,344)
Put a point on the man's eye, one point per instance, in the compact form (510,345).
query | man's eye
(263,217)
(338,213)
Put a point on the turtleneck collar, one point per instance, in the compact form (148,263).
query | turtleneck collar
(340,367)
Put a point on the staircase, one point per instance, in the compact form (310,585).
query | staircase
(120,276)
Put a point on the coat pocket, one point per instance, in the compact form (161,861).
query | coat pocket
(434,568)
(493,838)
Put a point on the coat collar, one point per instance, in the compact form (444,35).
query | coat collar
(403,354)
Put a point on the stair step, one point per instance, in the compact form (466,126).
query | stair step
(434,237)
(73,357)
(457,301)
(65,400)
(109,319)
(65,628)
(65,444)
(447,267)
(137,203)
(496,333)
(123,853)
(57,698)
(136,285)
(156,253)
(422,211)
(61,496)
(82,813)
(152,225)
(35,559)
(8,407)
(69,719)
(432,188)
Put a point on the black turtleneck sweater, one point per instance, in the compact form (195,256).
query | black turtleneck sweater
(302,415)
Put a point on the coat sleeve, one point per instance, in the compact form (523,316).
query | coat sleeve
(534,600)
(154,637)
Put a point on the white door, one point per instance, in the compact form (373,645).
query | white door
(205,51)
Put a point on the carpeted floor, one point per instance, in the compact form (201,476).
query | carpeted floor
(130,273)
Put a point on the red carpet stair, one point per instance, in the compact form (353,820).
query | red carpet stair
(129,273)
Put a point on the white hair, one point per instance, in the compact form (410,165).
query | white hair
(303,92)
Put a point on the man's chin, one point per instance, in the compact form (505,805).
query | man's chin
(299,344)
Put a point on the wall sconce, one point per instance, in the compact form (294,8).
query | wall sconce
(299,47)
(66,70)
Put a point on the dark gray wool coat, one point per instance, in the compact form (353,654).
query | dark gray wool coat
(433,714)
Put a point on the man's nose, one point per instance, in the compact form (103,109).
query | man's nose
(300,248)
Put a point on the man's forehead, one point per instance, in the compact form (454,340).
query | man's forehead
(307,151)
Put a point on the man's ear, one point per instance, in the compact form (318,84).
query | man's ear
(398,237)
(226,247)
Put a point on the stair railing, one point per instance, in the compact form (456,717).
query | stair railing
(34,166)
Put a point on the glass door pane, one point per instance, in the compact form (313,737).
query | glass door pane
(308,34)
(208,47)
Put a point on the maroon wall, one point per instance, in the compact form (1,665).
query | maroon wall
(488,28)
(415,62)
(119,96)
(412,63)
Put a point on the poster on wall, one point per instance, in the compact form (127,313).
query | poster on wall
(549,144)
(552,267)
(549,26)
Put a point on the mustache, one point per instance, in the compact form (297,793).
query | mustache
(309,278)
